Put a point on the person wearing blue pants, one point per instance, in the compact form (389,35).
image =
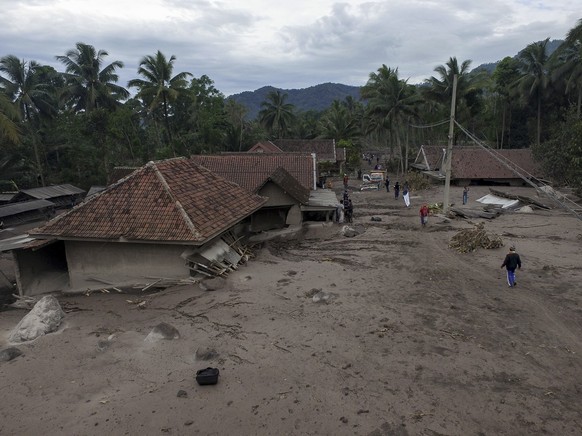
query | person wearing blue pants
(511,263)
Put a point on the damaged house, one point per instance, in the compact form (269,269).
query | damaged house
(168,219)
(329,156)
(288,180)
(475,165)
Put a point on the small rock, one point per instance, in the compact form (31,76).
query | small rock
(163,331)
(187,423)
(344,419)
(206,353)
(7,354)
(375,218)
(182,394)
(212,284)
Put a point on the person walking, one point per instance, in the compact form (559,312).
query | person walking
(465,195)
(406,194)
(387,183)
(346,179)
(424,215)
(511,263)
(396,190)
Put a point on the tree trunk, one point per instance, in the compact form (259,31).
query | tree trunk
(539,134)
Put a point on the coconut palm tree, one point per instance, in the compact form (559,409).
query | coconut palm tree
(534,78)
(32,95)
(469,84)
(8,119)
(338,122)
(88,84)
(159,88)
(569,59)
(276,115)
(391,103)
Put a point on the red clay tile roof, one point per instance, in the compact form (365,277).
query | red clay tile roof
(477,163)
(251,170)
(265,147)
(289,184)
(323,148)
(173,200)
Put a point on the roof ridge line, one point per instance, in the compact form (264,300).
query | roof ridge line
(179,206)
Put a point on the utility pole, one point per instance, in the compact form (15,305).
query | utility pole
(450,148)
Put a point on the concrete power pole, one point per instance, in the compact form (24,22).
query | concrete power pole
(450,148)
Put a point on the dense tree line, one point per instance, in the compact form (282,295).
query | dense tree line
(75,125)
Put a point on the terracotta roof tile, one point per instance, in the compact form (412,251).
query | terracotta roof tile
(477,163)
(265,147)
(323,148)
(173,200)
(251,170)
(290,185)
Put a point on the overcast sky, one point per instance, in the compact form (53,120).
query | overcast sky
(246,44)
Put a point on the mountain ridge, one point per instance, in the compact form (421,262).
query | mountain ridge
(320,97)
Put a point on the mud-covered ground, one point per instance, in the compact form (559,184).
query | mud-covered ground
(414,339)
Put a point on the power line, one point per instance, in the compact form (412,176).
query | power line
(564,201)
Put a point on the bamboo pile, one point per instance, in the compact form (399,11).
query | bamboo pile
(468,240)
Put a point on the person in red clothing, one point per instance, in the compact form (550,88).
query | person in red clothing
(346,181)
(424,215)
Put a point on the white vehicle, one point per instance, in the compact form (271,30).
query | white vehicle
(373,180)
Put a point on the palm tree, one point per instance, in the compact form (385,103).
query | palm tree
(504,76)
(569,57)
(391,103)
(276,115)
(338,122)
(535,77)
(32,96)
(8,117)
(468,85)
(159,88)
(89,85)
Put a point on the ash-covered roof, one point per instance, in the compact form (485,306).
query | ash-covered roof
(251,170)
(477,163)
(174,200)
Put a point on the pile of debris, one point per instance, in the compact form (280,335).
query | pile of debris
(219,258)
(468,240)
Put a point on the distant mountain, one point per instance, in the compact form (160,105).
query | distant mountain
(317,98)
(550,48)
(320,97)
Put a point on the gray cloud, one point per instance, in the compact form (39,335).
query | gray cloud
(243,49)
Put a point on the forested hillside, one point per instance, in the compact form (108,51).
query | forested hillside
(315,98)
(74,125)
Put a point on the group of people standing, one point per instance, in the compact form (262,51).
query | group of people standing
(345,209)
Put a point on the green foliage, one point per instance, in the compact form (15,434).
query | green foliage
(561,155)
(353,153)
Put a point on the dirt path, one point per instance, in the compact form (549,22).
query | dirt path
(416,339)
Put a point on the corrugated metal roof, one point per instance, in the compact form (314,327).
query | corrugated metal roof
(54,191)
(24,206)
(23,241)
(172,201)
(7,196)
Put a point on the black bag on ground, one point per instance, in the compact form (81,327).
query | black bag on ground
(207,376)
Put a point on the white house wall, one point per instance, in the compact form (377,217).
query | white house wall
(91,264)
